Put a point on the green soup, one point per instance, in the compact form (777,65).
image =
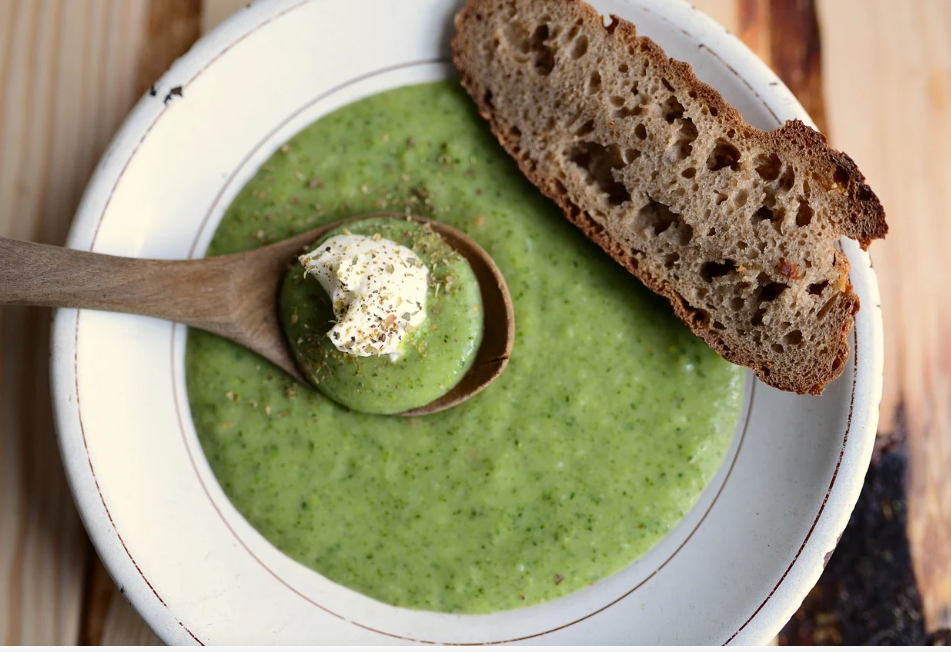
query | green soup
(593,443)
(434,357)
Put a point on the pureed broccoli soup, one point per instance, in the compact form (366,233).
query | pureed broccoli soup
(601,433)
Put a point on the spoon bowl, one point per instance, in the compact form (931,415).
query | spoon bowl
(235,296)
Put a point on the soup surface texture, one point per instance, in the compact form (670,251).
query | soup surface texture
(598,437)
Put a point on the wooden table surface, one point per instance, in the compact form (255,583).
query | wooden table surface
(874,74)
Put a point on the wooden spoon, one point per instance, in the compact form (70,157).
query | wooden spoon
(234,296)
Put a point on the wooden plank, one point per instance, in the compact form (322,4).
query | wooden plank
(124,627)
(785,34)
(725,12)
(753,25)
(796,53)
(890,64)
(213,12)
(62,66)
(97,598)
(171,28)
(109,618)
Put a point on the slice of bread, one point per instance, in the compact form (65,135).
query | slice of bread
(737,227)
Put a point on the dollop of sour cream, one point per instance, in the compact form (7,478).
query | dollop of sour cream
(378,288)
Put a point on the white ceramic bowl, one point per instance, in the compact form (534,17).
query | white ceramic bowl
(733,571)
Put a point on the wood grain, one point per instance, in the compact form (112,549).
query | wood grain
(785,34)
(65,69)
(109,619)
(796,53)
(123,626)
(725,12)
(753,26)
(171,27)
(213,12)
(887,78)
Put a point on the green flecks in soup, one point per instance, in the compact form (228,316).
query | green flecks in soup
(599,436)
(433,358)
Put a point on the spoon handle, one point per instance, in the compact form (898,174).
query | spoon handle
(194,292)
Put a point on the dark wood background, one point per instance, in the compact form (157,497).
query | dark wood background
(874,74)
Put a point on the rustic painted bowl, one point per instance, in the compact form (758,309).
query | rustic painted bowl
(733,571)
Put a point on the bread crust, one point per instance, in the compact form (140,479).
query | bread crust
(864,220)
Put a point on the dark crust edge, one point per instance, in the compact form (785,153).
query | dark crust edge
(867,219)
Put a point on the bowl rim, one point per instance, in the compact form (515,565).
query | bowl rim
(217,42)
